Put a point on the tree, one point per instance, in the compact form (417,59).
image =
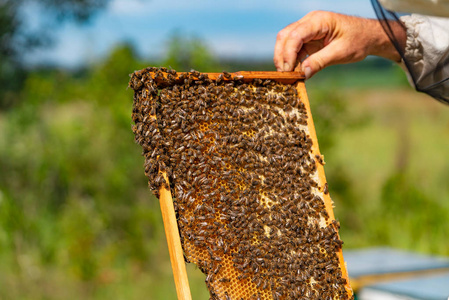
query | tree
(184,53)
(17,36)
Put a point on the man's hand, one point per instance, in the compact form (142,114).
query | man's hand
(322,39)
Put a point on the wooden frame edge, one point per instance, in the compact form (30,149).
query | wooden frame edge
(302,94)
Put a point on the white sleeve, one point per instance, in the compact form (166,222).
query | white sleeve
(427,52)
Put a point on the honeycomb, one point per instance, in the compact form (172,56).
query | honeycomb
(247,193)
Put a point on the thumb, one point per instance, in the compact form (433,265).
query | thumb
(327,56)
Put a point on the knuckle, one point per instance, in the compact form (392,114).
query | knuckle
(314,13)
(318,14)
(281,35)
(319,63)
(294,34)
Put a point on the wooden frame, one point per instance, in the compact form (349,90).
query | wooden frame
(166,201)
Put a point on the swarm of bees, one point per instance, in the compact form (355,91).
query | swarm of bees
(246,192)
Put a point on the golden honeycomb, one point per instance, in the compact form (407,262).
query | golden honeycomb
(247,193)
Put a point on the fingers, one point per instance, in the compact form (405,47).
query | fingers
(281,37)
(302,55)
(300,37)
(292,38)
(308,49)
(332,54)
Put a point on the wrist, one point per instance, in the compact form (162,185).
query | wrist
(381,44)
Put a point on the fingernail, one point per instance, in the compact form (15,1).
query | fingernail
(278,69)
(308,72)
(286,67)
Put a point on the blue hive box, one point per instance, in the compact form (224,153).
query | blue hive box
(389,274)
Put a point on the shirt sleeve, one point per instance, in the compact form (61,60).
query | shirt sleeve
(426,54)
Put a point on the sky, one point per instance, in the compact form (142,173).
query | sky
(234,28)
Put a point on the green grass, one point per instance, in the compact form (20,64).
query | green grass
(398,168)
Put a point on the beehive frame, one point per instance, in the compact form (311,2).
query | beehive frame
(170,223)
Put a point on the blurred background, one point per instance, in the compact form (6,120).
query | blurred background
(77,220)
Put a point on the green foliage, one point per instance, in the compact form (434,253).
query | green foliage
(184,54)
(72,188)
(409,218)
(331,116)
(370,73)
(18,35)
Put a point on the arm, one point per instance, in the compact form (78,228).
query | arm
(321,39)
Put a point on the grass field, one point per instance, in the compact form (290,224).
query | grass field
(399,171)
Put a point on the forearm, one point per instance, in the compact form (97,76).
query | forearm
(382,45)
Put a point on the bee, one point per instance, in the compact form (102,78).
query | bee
(219,78)
(242,276)
(205,78)
(326,189)
(226,75)
(194,73)
(186,259)
(276,295)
